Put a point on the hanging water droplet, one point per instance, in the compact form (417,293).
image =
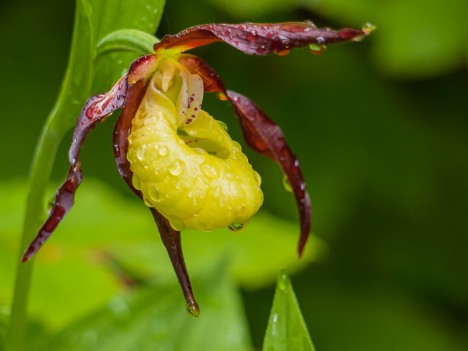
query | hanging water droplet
(177,168)
(209,171)
(237,227)
(283,52)
(317,49)
(367,28)
(287,184)
(193,310)
(163,151)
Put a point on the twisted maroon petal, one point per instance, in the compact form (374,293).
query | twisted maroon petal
(262,135)
(95,109)
(259,38)
(265,137)
(138,78)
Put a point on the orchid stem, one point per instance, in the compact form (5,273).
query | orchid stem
(75,89)
(40,173)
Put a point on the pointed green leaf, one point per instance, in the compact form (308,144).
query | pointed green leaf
(286,329)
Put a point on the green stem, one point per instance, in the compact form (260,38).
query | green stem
(40,173)
(73,93)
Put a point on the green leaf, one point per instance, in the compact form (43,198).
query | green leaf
(407,42)
(130,40)
(3,326)
(104,223)
(248,10)
(155,318)
(110,16)
(286,328)
(78,76)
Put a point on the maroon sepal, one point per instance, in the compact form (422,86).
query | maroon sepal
(265,137)
(95,109)
(259,38)
(139,75)
(262,135)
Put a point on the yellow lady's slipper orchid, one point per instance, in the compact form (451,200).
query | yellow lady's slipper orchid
(177,158)
(183,161)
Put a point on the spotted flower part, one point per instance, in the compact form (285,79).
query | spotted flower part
(174,155)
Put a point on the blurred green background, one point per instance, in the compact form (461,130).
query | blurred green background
(380,128)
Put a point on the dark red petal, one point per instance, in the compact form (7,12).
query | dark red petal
(171,240)
(264,136)
(139,75)
(95,109)
(259,38)
(211,80)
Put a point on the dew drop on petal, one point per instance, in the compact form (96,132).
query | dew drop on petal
(177,168)
(136,181)
(163,151)
(140,154)
(209,171)
(154,193)
(252,36)
(258,178)
(223,125)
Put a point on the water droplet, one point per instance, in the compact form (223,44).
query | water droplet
(193,310)
(283,52)
(222,96)
(177,168)
(209,171)
(223,125)
(237,227)
(287,184)
(136,181)
(367,28)
(50,204)
(317,49)
(154,193)
(140,154)
(258,178)
(261,49)
(200,183)
(252,36)
(163,151)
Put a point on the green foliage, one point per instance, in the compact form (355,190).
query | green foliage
(155,318)
(82,302)
(286,327)
(385,160)
(106,234)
